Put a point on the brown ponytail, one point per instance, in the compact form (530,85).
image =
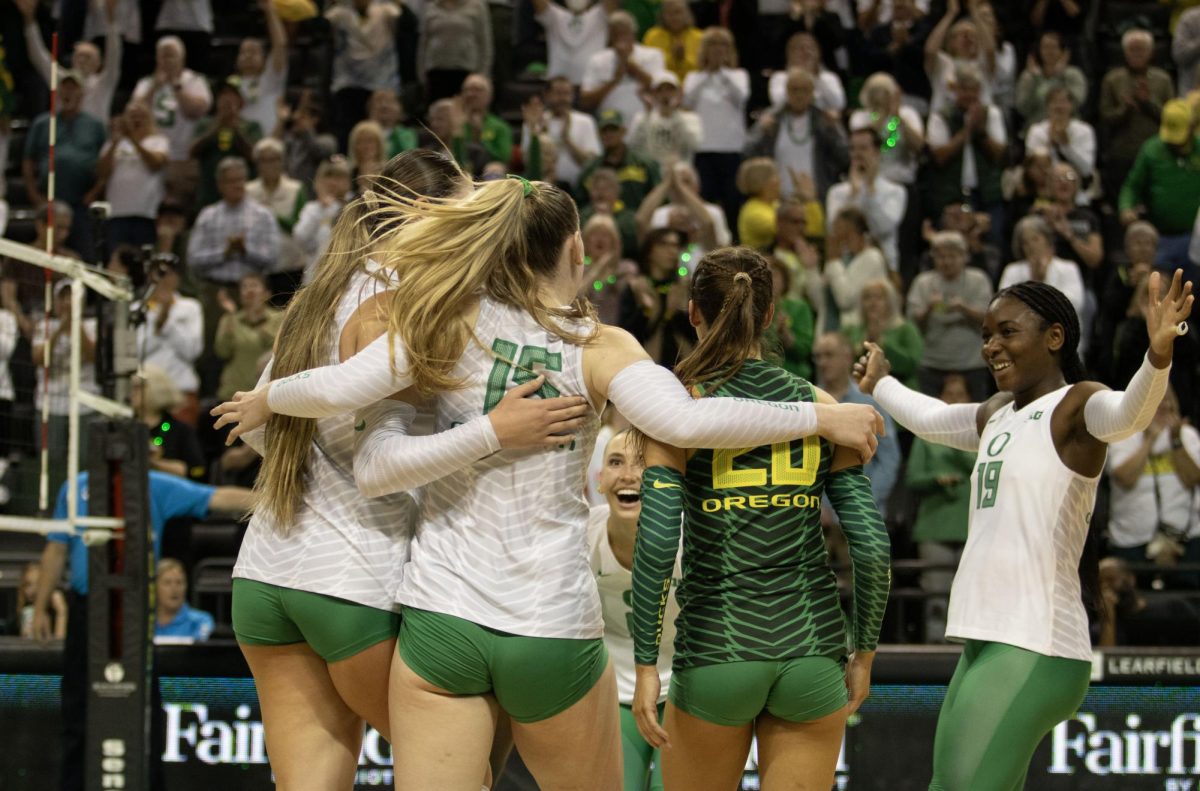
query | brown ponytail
(732,289)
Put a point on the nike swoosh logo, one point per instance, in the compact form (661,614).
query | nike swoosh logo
(362,424)
(665,485)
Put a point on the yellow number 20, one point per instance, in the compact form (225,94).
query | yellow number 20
(782,472)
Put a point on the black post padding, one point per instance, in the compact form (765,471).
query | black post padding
(120,611)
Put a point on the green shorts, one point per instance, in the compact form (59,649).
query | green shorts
(335,628)
(735,693)
(533,678)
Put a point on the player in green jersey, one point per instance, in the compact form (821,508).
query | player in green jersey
(762,646)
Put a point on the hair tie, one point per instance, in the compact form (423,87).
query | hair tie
(524,183)
(742,276)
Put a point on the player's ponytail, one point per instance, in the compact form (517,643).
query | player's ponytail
(732,289)
(305,334)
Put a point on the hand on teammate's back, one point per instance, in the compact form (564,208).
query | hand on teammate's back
(522,421)
(854,426)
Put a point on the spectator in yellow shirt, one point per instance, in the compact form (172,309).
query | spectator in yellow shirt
(677,36)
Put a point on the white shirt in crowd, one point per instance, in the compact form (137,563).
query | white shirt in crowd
(666,138)
(793,149)
(943,75)
(719,99)
(1079,151)
(133,189)
(1134,512)
(828,93)
(1063,275)
(127,19)
(175,346)
(98,88)
(572,39)
(59,387)
(9,333)
(192,15)
(583,134)
(312,232)
(625,95)
(365,53)
(261,95)
(168,117)
(938,134)
(662,216)
(883,204)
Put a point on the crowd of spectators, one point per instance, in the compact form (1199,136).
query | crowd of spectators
(898,161)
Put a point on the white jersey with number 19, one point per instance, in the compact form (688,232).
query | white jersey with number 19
(503,542)
(1018,582)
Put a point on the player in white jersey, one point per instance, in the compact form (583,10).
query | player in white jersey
(499,598)
(612,530)
(314,584)
(1017,599)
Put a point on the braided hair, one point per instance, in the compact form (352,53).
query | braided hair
(1054,308)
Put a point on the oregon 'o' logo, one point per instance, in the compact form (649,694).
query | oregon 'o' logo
(114,673)
(1003,439)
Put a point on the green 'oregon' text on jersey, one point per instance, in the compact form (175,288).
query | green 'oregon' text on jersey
(756,581)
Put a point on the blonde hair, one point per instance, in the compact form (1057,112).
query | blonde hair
(169,564)
(159,392)
(889,293)
(877,83)
(500,241)
(307,328)
(714,35)
(361,130)
(754,174)
(605,223)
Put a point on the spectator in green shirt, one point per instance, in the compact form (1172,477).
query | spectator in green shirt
(636,175)
(77,151)
(245,334)
(940,478)
(1164,186)
(482,126)
(794,325)
(882,321)
(223,134)
(384,108)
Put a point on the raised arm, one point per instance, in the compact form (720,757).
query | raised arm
(937,36)
(277,34)
(1110,415)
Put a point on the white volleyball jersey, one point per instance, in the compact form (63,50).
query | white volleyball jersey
(341,544)
(1018,581)
(615,583)
(503,542)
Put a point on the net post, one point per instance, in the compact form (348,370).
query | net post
(120,612)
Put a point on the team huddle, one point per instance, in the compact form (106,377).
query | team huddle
(423,557)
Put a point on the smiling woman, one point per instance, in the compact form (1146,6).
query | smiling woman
(1017,601)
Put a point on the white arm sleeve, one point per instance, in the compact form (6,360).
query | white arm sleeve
(652,399)
(387,459)
(929,418)
(331,390)
(1112,415)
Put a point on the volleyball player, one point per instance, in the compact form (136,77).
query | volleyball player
(481,283)
(313,590)
(761,643)
(1017,600)
(612,530)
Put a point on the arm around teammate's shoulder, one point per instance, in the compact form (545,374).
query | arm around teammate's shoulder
(617,369)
